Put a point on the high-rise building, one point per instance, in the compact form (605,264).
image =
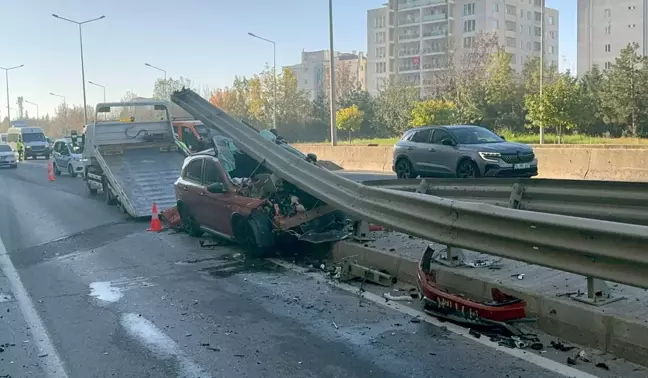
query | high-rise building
(313,72)
(605,27)
(410,40)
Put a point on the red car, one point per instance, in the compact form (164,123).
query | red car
(254,209)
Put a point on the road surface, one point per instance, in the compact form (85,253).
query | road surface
(86,292)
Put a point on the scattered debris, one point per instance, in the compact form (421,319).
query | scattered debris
(474,333)
(571,361)
(335,325)
(537,346)
(602,365)
(214,349)
(43,355)
(351,270)
(391,297)
(519,276)
(561,347)
(415,320)
(583,356)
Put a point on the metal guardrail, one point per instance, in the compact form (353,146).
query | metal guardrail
(607,250)
(625,202)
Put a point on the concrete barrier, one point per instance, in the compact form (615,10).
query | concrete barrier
(589,162)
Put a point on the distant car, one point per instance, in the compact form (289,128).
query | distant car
(463,151)
(7,156)
(3,137)
(66,157)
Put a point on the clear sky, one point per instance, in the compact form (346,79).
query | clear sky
(204,40)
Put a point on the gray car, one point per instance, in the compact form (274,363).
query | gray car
(463,151)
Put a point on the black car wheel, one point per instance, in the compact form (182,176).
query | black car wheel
(467,169)
(55,169)
(71,171)
(189,222)
(404,169)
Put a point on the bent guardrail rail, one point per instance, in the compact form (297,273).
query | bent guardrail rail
(611,251)
(625,202)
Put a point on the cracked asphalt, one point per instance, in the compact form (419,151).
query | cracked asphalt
(117,301)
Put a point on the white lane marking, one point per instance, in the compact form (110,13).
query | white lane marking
(105,292)
(161,345)
(51,362)
(532,358)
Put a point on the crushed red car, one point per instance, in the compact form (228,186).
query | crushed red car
(249,204)
(502,310)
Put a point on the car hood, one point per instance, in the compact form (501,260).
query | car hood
(34,144)
(504,147)
(7,153)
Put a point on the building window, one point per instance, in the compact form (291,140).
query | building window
(495,24)
(553,49)
(521,13)
(552,34)
(608,48)
(631,26)
(380,52)
(469,26)
(551,20)
(528,45)
(631,7)
(511,42)
(538,3)
(380,37)
(468,42)
(536,46)
(381,67)
(608,29)
(608,65)
(510,9)
(521,29)
(529,15)
(469,9)
(538,16)
(530,29)
(538,31)
(495,7)
(510,26)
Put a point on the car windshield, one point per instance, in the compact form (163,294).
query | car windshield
(33,137)
(75,148)
(474,135)
(202,131)
(5,148)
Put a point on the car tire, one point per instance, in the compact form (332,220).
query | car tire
(189,222)
(57,172)
(467,169)
(71,171)
(255,235)
(404,169)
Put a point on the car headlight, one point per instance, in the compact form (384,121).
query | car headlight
(27,147)
(490,156)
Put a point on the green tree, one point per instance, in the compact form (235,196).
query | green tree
(503,108)
(349,119)
(592,111)
(559,105)
(433,112)
(365,103)
(626,91)
(394,106)
(163,90)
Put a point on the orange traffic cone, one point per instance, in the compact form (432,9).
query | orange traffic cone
(156,225)
(50,171)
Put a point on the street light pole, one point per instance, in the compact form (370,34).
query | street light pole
(65,108)
(6,70)
(274,77)
(101,86)
(85,107)
(36,105)
(332,78)
(166,86)
(542,31)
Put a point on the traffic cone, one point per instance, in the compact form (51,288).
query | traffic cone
(50,171)
(156,225)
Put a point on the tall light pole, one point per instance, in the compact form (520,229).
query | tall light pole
(274,77)
(36,105)
(85,107)
(6,70)
(332,78)
(65,107)
(542,32)
(99,85)
(166,89)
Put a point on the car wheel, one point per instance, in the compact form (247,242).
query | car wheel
(71,171)
(404,169)
(55,169)
(255,235)
(190,225)
(467,169)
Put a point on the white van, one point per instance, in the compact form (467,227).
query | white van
(33,138)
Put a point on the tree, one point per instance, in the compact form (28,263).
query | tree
(433,112)
(163,90)
(625,94)
(558,106)
(349,119)
(503,107)
(366,104)
(592,112)
(394,106)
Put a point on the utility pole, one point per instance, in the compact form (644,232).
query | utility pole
(6,70)
(166,86)
(332,98)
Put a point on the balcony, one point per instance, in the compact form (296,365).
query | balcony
(434,17)
(419,3)
(407,68)
(408,37)
(408,52)
(435,33)
(431,51)
(408,21)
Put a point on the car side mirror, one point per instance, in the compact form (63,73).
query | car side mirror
(502,136)
(216,187)
(448,142)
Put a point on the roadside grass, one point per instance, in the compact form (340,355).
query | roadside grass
(525,138)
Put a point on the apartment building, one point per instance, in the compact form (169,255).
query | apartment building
(313,73)
(410,40)
(607,26)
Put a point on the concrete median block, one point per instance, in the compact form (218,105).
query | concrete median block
(569,320)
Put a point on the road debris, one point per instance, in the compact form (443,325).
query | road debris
(583,356)
(561,347)
(335,325)
(602,365)
(352,270)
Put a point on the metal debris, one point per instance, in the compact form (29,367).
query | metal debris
(602,365)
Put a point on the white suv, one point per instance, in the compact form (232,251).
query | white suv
(66,157)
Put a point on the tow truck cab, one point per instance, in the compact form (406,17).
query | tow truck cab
(193,134)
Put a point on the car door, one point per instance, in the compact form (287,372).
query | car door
(217,208)
(64,156)
(190,186)
(418,151)
(57,156)
(443,153)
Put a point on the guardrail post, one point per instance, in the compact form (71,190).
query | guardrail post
(598,293)
(449,256)
(423,187)
(516,196)
(361,231)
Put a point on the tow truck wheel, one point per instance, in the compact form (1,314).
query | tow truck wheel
(108,196)
(91,191)
(190,225)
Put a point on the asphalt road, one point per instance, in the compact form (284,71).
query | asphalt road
(113,300)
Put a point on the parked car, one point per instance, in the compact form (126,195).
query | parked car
(463,151)
(251,206)
(67,157)
(7,156)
